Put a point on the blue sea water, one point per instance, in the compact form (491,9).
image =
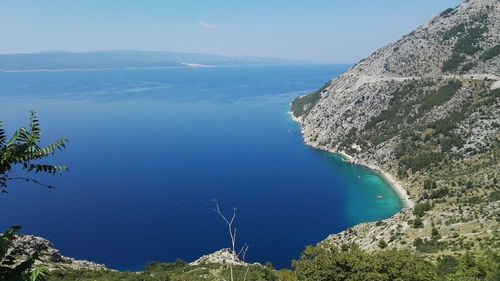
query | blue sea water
(151,148)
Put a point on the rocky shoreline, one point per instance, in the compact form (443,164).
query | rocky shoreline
(396,185)
(364,234)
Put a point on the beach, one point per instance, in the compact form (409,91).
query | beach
(396,185)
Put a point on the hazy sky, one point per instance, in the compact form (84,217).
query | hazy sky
(320,30)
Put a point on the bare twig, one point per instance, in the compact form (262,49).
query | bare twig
(232,234)
(244,251)
(32,181)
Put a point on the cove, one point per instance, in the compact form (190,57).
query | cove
(150,148)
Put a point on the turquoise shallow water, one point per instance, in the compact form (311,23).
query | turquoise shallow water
(150,149)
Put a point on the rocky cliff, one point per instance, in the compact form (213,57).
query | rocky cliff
(25,246)
(425,109)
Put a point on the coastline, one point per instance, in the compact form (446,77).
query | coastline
(396,185)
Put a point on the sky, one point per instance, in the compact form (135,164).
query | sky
(329,31)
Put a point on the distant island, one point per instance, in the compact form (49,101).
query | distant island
(47,61)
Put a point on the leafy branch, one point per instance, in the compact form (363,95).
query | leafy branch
(13,269)
(23,149)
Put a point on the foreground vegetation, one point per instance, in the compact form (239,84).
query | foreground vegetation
(23,149)
(318,264)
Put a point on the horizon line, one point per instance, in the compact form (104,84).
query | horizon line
(299,60)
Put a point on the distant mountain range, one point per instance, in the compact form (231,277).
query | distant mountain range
(126,59)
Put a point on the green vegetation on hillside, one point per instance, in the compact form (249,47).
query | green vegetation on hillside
(447,12)
(177,271)
(444,144)
(440,135)
(408,104)
(467,43)
(320,263)
(302,105)
(490,53)
(442,95)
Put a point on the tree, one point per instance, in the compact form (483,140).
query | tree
(23,150)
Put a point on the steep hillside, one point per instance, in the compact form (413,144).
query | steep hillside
(425,109)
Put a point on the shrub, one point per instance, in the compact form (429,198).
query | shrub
(447,265)
(438,193)
(420,209)
(382,244)
(430,184)
(330,264)
(490,53)
(468,43)
(442,95)
(453,62)
(421,160)
(418,223)
(446,12)
(454,31)
(428,246)
(494,196)
(435,233)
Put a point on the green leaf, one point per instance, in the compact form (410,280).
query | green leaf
(23,148)
(38,274)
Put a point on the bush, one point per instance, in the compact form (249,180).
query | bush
(418,223)
(421,161)
(442,95)
(330,264)
(494,196)
(453,62)
(468,43)
(430,184)
(446,12)
(454,31)
(468,267)
(438,193)
(435,233)
(428,246)
(447,265)
(442,126)
(382,244)
(420,209)
(490,53)
(468,66)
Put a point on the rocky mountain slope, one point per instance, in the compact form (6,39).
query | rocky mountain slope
(425,109)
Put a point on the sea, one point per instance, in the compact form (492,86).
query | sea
(151,151)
